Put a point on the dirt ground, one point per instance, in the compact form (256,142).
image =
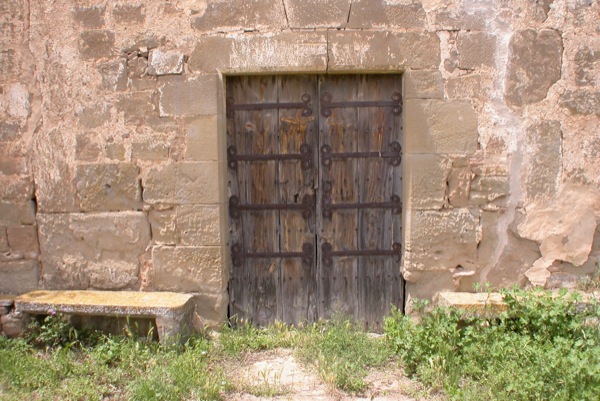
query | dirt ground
(276,375)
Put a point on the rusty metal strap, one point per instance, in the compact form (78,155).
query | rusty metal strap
(306,207)
(327,104)
(305,156)
(238,255)
(328,252)
(394,154)
(328,207)
(304,105)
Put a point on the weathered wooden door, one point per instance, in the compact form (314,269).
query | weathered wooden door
(315,188)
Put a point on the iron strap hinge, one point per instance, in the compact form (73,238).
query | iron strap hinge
(327,104)
(305,156)
(238,255)
(329,253)
(304,105)
(306,207)
(394,154)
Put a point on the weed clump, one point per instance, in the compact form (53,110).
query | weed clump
(342,353)
(541,348)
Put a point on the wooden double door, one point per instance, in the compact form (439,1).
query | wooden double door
(314,166)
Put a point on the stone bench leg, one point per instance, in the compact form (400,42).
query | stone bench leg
(174,328)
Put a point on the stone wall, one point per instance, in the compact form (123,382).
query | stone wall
(112,173)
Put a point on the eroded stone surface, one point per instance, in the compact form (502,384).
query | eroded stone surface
(188,269)
(182,183)
(534,65)
(108,187)
(442,240)
(317,13)
(19,276)
(440,127)
(564,226)
(165,62)
(75,247)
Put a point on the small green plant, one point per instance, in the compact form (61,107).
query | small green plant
(542,347)
(55,330)
(244,337)
(342,353)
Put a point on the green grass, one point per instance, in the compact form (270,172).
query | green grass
(539,349)
(342,354)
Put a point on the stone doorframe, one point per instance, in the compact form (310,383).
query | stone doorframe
(438,134)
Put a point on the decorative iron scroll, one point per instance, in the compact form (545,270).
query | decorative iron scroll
(238,255)
(329,253)
(305,156)
(327,104)
(394,154)
(328,207)
(306,207)
(304,105)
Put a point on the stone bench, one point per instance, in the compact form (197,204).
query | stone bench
(171,311)
(479,303)
(492,304)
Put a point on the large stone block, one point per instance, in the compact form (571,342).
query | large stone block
(89,17)
(18,101)
(136,106)
(489,192)
(108,187)
(369,14)
(423,84)
(439,240)
(198,225)
(9,131)
(129,13)
(9,65)
(17,187)
(164,226)
(317,13)
(351,50)
(201,139)
(92,250)
(19,276)
(114,75)
(582,102)
(96,44)
(150,149)
(189,97)
(188,269)
(435,126)
(459,186)
(23,240)
(165,62)
(534,65)
(461,16)
(15,213)
(252,52)
(3,240)
(475,49)
(86,148)
(182,183)
(240,15)
(426,178)
(544,142)
(587,67)
(211,310)
(93,116)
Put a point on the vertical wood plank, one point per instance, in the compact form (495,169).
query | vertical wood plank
(338,282)
(297,130)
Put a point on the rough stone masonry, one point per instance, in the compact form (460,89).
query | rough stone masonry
(112,168)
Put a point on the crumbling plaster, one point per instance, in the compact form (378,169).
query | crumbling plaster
(112,113)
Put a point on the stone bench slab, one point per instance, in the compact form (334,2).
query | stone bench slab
(480,303)
(172,311)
